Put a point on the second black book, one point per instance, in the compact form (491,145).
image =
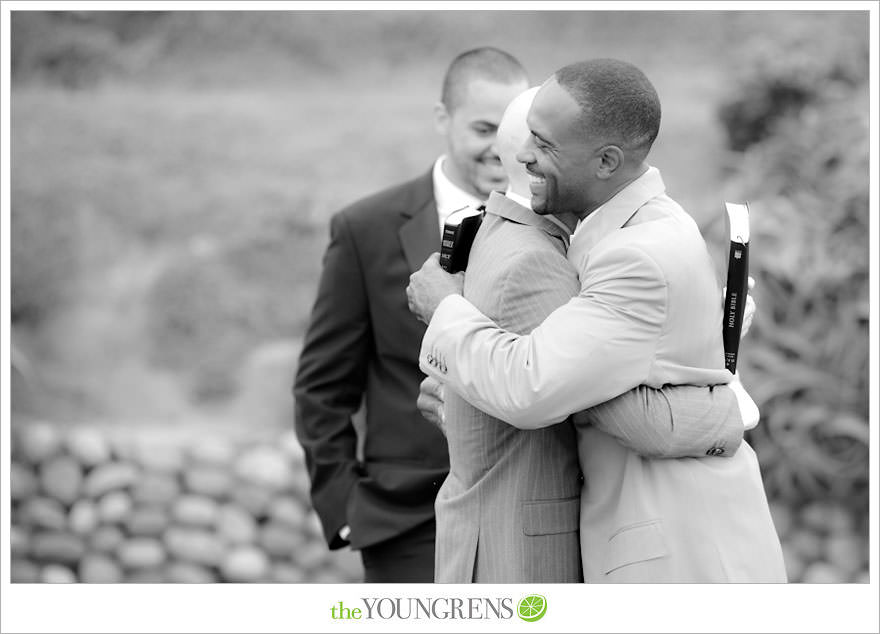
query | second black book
(458,235)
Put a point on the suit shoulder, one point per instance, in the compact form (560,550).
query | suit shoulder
(390,202)
(662,230)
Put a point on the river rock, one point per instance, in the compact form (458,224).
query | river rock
(141,552)
(265,466)
(156,488)
(311,556)
(287,573)
(53,573)
(43,513)
(147,521)
(195,510)
(291,446)
(245,564)
(114,507)
(23,484)
(281,540)
(287,510)
(235,525)
(57,547)
(37,442)
(88,446)
(193,545)
(19,542)
(106,539)
(255,499)
(160,457)
(184,572)
(108,477)
(83,517)
(211,481)
(98,568)
(61,477)
(22,571)
(217,452)
(146,575)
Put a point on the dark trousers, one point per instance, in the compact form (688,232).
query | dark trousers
(407,558)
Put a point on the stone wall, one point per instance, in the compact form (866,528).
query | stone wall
(98,505)
(107,505)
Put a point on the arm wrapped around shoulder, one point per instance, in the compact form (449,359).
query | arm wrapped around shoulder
(675,421)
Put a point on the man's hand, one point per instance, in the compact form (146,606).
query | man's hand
(429,285)
(430,402)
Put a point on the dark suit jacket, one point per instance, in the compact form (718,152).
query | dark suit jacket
(362,341)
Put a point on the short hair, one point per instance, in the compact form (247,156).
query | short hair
(487,63)
(618,103)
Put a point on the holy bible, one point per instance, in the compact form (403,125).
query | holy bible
(458,236)
(737,280)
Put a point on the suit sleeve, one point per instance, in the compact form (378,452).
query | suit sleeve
(675,421)
(331,378)
(597,346)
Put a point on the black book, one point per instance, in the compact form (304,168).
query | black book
(458,236)
(737,280)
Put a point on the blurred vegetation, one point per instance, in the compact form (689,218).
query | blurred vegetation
(797,117)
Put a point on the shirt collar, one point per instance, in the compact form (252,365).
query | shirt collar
(527,203)
(448,195)
(617,211)
(509,208)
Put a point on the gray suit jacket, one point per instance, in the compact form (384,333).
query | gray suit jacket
(508,511)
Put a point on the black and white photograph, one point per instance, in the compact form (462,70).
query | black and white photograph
(384,307)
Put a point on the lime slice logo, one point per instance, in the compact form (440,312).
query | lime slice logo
(532,608)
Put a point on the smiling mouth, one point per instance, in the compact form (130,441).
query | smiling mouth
(536,180)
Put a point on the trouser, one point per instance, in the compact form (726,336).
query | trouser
(407,558)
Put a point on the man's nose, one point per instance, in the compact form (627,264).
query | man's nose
(525,156)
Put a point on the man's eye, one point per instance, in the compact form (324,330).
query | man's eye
(483,130)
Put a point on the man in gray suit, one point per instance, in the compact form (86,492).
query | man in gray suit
(509,510)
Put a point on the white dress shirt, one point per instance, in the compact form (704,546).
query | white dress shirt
(448,195)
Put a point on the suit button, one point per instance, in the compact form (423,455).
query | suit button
(715,451)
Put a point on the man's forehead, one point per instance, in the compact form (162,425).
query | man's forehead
(488,98)
(553,107)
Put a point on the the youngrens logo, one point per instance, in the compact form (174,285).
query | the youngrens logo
(530,608)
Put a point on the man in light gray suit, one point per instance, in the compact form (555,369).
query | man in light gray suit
(509,510)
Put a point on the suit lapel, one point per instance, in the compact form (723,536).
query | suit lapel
(420,233)
(613,215)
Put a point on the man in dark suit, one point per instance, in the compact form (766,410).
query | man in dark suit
(362,342)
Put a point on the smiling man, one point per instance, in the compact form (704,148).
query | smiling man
(362,343)
(648,313)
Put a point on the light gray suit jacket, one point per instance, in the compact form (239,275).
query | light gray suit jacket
(508,511)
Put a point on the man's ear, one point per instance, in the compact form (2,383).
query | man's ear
(441,118)
(611,161)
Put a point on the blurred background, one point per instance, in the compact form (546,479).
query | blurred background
(172,178)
